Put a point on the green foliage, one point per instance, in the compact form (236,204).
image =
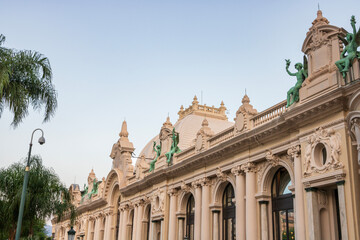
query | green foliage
(46,196)
(25,79)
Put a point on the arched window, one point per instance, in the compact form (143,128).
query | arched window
(190,212)
(229,213)
(282,206)
(117,220)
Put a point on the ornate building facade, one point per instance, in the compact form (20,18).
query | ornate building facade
(283,173)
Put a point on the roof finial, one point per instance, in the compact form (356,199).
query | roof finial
(318,6)
(124,133)
(245,91)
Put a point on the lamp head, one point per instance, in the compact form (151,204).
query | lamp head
(41,140)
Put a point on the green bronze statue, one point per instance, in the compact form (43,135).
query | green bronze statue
(94,190)
(174,147)
(84,193)
(352,43)
(301,75)
(157,150)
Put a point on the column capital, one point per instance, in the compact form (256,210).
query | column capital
(172,192)
(263,202)
(342,182)
(294,151)
(196,184)
(185,187)
(249,167)
(237,171)
(205,181)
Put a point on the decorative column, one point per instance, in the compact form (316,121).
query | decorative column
(96,228)
(123,223)
(240,202)
(162,229)
(139,217)
(342,209)
(251,222)
(88,229)
(216,227)
(108,222)
(134,225)
(294,153)
(172,213)
(197,230)
(181,228)
(205,211)
(313,214)
(264,220)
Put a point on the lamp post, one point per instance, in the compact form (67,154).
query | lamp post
(26,180)
(71,234)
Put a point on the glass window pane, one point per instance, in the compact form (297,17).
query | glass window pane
(291,218)
(282,224)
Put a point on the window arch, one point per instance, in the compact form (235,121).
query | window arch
(229,213)
(190,213)
(282,206)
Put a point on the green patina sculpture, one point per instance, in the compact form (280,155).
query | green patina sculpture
(84,193)
(352,43)
(301,75)
(157,149)
(94,190)
(174,147)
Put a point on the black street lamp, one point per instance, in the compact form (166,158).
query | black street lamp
(26,180)
(71,234)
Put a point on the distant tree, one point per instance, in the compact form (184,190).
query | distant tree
(46,196)
(25,79)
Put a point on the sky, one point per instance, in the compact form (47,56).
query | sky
(141,60)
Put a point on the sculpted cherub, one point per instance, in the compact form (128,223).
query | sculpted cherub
(351,42)
(174,147)
(157,150)
(301,75)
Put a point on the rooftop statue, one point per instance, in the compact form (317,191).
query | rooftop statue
(301,75)
(174,147)
(94,191)
(351,42)
(156,149)
(84,193)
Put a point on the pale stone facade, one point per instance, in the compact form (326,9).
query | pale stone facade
(277,174)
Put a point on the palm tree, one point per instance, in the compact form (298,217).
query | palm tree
(25,79)
(46,197)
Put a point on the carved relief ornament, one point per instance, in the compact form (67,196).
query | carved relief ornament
(220,175)
(322,144)
(355,133)
(271,158)
(249,167)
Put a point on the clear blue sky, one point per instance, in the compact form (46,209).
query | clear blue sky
(141,60)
